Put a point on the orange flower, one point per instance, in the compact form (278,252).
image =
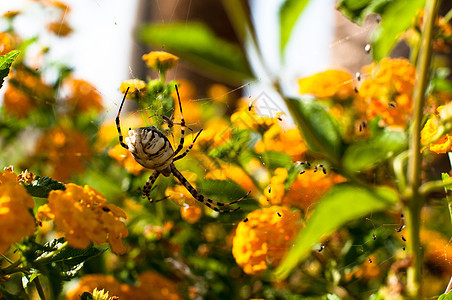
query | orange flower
(193,113)
(218,92)
(437,251)
(329,84)
(245,119)
(156,287)
(84,97)
(160,60)
(277,139)
(17,103)
(262,239)
(387,91)
(31,83)
(7,42)
(16,222)
(310,187)
(125,159)
(190,211)
(217,132)
(65,150)
(83,216)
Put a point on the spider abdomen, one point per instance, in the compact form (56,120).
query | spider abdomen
(150,148)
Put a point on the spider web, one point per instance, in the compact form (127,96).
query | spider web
(268,104)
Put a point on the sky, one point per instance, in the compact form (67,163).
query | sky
(100,46)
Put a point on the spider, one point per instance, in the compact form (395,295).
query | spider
(152,149)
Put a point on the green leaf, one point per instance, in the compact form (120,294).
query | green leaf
(317,127)
(196,43)
(447,296)
(358,10)
(5,63)
(375,150)
(345,202)
(41,186)
(445,177)
(397,17)
(289,13)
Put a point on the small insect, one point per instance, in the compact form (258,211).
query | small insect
(279,215)
(250,105)
(370,260)
(374,236)
(269,189)
(152,149)
(400,228)
(367,48)
(321,248)
(302,172)
(392,104)
(355,89)
(304,163)
(320,167)
(401,215)
(403,238)
(246,220)
(358,76)
(362,125)
(403,248)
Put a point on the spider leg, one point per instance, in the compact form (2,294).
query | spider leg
(118,126)
(188,149)
(148,185)
(182,126)
(204,200)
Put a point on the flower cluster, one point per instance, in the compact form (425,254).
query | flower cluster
(151,285)
(16,221)
(83,97)
(66,151)
(83,216)
(430,139)
(262,239)
(387,91)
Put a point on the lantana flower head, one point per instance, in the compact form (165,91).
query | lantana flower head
(84,217)
(16,221)
(263,238)
(136,87)
(387,91)
(430,132)
(160,61)
(84,97)
(279,139)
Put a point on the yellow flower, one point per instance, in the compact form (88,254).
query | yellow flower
(430,130)
(17,103)
(60,28)
(193,113)
(329,84)
(83,216)
(277,139)
(136,87)
(16,222)
(160,60)
(310,187)
(65,150)
(125,159)
(387,91)
(262,239)
(83,97)
(218,132)
(275,190)
(100,282)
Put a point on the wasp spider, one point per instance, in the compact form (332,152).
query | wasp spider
(152,149)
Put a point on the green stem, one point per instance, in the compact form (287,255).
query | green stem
(415,199)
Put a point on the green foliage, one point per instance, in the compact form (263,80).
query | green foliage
(358,10)
(345,202)
(197,44)
(41,186)
(317,127)
(447,296)
(5,63)
(289,13)
(375,150)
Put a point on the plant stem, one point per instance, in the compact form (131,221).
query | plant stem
(415,199)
